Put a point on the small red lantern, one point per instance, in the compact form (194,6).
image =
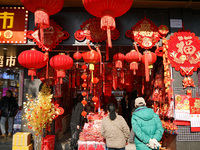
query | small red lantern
(84,102)
(107,10)
(133,57)
(118,58)
(84,85)
(95,80)
(84,76)
(84,113)
(148,59)
(61,63)
(84,94)
(84,67)
(77,56)
(91,57)
(95,99)
(32,59)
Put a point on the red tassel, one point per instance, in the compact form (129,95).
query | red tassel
(146,56)
(107,52)
(98,50)
(134,67)
(70,80)
(32,73)
(108,23)
(118,64)
(78,80)
(73,80)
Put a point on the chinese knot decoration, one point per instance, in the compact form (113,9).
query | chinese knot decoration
(107,10)
(145,33)
(188,82)
(42,10)
(53,35)
(184,52)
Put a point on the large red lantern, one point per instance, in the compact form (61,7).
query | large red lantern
(61,63)
(133,57)
(32,59)
(42,10)
(148,59)
(107,10)
(118,58)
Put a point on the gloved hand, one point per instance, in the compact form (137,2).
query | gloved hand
(151,144)
(156,143)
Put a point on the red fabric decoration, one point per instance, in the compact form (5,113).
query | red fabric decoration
(145,33)
(118,58)
(148,59)
(51,76)
(61,63)
(43,9)
(133,57)
(184,52)
(52,36)
(107,10)
(32,59)
(48,142)
(73,79)
(91,30)
(78,79)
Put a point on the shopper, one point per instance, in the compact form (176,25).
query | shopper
(147,126)
(76,121)
(126,109)
(8,107)
(115,130)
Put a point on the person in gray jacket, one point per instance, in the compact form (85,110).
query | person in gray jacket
(115,130)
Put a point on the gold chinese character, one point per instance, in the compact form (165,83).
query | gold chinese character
(197,103)
(1,61)
(10,61)
(5,16)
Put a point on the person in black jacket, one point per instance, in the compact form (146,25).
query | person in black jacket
(8,107)
(125,104)
(76,120)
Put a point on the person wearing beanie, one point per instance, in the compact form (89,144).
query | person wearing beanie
(147,126)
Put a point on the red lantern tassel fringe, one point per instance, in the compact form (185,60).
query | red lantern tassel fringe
(146,67)
(134,67)
(32,73)
(107,52)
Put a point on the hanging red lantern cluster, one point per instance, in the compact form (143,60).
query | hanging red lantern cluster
(32,59)
(61,63)
(42,10)
(118,58)
(133,57)
(107,10)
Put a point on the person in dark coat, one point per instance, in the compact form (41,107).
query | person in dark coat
(76,121)
(126,109)
(8,107)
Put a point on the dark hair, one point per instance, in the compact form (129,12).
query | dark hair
(79,97)
(111,109)
(10,92)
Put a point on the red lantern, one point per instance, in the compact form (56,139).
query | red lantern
(133,57)
(84,67)
(32,59)
(84,76)
(148,59)
(118,58)
(91,57)
(61,63)
(84,94)
(84,113)
(95,99)
(107,10)
(84,85)
(95,80)
(77,56)
(84,102)
(42,10)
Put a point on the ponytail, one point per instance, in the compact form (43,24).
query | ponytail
(111,109)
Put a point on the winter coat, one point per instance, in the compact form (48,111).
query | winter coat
(146,125)
(5,104)
(76,117)
(116,132)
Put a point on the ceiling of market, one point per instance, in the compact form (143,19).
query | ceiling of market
(136,3)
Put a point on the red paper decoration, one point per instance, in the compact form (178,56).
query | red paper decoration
(145,33)
(61,63)
(107,10)
(32,59)
(148,59)
(42,10)
(52,36)
(188,82)
(163,30)
(50,80)
(184,52)
(118,58)
(133,57)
